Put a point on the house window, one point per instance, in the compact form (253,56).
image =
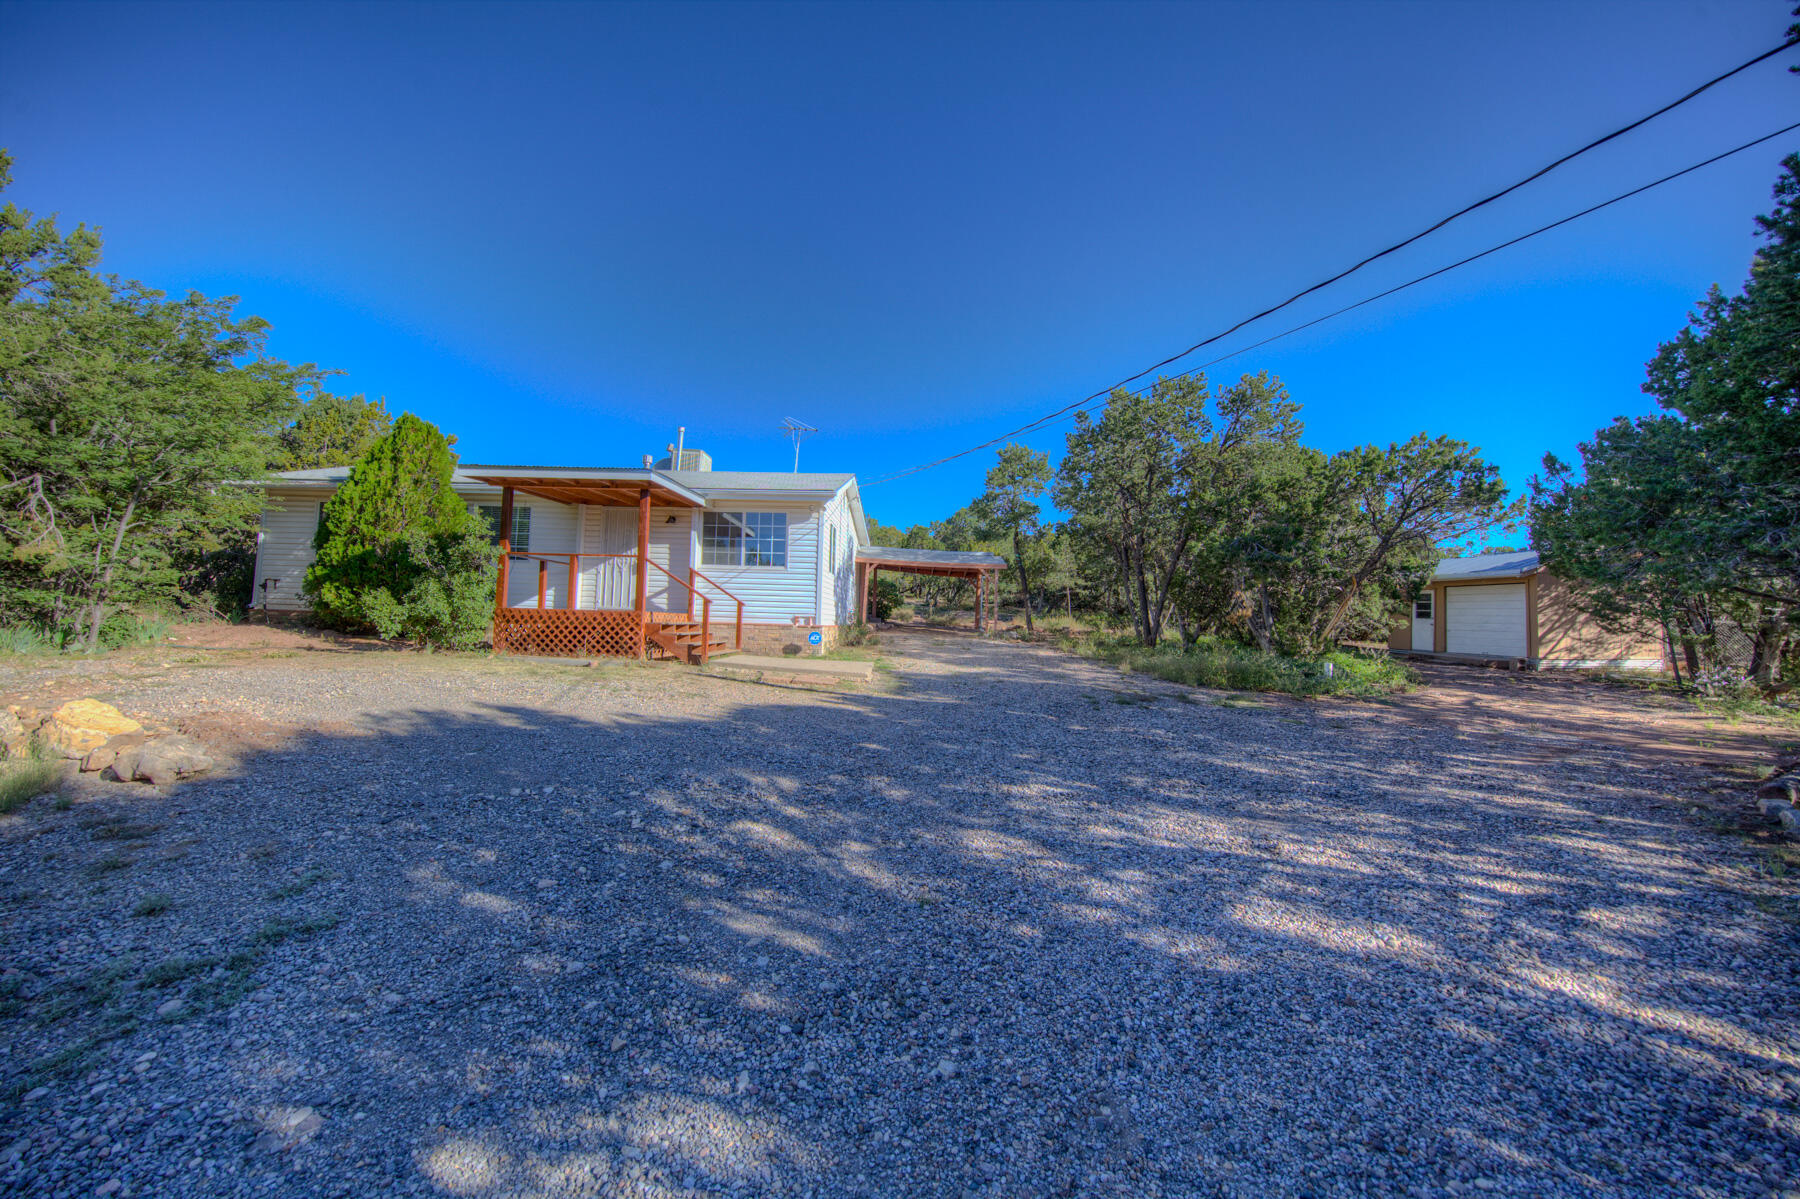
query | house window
(1422,606)
(521,530)
(743,539)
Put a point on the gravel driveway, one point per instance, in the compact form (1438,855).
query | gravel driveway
(1012,925)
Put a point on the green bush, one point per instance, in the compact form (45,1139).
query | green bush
(1224,666)
(449,596)
(397,552)
(885,596)
(121,629)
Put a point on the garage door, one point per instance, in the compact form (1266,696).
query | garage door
(1486,620)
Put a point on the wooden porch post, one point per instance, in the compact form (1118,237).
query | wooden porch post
(506,498)
(575,558)
(643,566)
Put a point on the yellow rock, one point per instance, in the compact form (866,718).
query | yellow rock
(71,741)
(92,714)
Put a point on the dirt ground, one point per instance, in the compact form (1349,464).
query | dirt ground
(1005,922)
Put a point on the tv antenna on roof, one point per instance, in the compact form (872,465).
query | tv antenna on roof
(799,432)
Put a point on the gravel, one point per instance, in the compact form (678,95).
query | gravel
(1010,924)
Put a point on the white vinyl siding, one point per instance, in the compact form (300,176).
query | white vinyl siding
(774,594)
(285,546)
(1487,620)
(284,549)
(837,566)
(552,530)
(771,594)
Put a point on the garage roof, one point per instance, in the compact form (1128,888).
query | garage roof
(1487,566)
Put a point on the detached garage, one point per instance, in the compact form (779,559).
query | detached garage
(1507,607)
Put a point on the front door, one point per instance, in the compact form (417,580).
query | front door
(1423,625)
(615,581)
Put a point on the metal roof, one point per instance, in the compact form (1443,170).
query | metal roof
(758,480)
(896,556)
(321,475)
(617,487)
(1486,566)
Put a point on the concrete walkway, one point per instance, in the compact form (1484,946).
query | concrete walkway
(828,667)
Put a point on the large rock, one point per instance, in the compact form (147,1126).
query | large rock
(160,760)
(103,757)
(1786,787)
(92,714)
(82,726)
(15,738)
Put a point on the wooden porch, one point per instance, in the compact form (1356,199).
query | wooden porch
(619,622)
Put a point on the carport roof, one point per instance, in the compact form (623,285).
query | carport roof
(1486,566)
(959,562)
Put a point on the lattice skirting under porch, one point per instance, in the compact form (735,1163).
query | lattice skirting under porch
(561,633)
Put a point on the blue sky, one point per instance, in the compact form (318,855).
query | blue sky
(559,231)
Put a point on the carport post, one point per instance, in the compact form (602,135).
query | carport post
(980,602)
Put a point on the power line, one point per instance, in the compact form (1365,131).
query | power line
(1397,246)
(1045,421)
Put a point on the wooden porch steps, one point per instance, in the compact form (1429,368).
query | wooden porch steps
(680,639)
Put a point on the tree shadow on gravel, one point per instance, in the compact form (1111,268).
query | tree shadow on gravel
(999,934)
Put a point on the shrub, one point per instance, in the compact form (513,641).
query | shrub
(24,779)
(885,596)
(1228,667)
(27,639)
(397,551)
(121,629)
(449,601)
(153,904)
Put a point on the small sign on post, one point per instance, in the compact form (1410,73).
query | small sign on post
(815,638)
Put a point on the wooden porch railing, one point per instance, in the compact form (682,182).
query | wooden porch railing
(572,595)
(738,640)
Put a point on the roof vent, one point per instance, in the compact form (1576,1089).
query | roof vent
(690,460)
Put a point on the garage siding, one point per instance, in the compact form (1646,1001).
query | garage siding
(1486,620)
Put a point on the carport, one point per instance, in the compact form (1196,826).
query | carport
(871,560)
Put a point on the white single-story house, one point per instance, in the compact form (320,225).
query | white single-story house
(1509,607)
(624,562)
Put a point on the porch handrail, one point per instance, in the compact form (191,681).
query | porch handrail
(693,574)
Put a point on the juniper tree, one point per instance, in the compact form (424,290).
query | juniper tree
(127,419)
(397,550)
